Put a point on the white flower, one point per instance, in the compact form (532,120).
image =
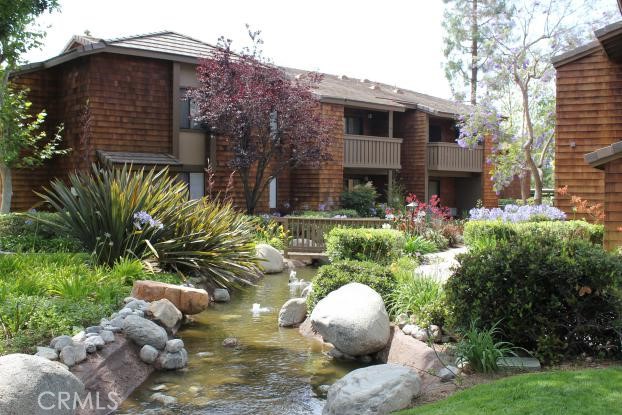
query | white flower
(386,226)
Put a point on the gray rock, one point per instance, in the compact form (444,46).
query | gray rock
(112,329)
(174,345)
(141,305)
(127,300)
(73,354)
(221,295)
(97,341)
(401,320)
(293,312)
(90,348)
(378,389)
(520,363)
(94,329)
(24,380)
(163,399)
(124,312)
(61,341)
(139,313)
(104,322)
(117,322)
(421,335)
(90,335)
(434,332)
(47,353)
(143,331)
(353,319)
(230,342)
(270,259)
(409,329)
(148,354)
(339,355)
(306,291)
(165,312)
(172,361)
(79,337)
(448,373)
(107,336)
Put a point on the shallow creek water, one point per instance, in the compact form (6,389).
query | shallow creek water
(273,371)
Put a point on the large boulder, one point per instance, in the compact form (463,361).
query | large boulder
(32,385)
(293,312)
(353,319)
(377,390)
(142,331)
(271,260)
(407,351)
(187,300)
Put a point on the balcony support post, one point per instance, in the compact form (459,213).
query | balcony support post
(390,124)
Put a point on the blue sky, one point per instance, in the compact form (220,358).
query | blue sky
(397,41)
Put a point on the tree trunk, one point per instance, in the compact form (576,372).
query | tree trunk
(474,51)
(533,167)
(7,189)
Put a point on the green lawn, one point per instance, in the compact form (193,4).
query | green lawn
(594,391)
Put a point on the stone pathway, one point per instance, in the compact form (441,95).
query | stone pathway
(438,265)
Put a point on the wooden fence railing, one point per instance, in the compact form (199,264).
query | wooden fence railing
(307,234)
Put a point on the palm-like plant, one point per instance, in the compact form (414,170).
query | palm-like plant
(119,213)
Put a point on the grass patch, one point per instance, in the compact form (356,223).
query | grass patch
(46,295)
(593,391)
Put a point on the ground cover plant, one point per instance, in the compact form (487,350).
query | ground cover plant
(43,295)
(22,233)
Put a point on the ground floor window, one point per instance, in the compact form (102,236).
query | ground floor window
(434,188)
(195,183)
(272,193)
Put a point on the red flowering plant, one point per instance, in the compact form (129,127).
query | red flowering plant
(419,216)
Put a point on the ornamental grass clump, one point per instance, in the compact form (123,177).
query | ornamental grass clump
(122,212)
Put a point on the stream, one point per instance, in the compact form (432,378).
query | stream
(273,370)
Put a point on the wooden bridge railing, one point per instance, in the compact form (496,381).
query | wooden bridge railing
(307,234)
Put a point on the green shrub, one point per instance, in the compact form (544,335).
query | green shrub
(418,245)
(26,233)
(418,296)
(555,297)
(364,244)
(480,348)
(475,231)
(361,198)
(118,213)
(437,238)
(336,275)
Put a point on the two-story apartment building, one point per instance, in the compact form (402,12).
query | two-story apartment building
(589,118)
(133,88)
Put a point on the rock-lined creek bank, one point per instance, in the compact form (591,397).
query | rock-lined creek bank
(272,370)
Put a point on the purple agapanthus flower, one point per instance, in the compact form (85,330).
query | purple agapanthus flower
(142,219)
(515,213)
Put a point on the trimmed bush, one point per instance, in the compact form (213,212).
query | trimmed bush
(552,296)
(378,245)
(362,199)
(333,276)
(477,231)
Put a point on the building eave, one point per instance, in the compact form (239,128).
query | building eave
(576,54)
(604,155)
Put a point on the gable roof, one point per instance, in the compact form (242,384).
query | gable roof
(608,38)
(174,46)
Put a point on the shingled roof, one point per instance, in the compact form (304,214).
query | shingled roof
(177,47)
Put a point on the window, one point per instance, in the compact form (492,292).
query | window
(195,183)
(434,188)
(272,194)
(187,111)
(353,125)
(435,133)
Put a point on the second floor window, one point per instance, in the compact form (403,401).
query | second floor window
(435,134)
(353,125)
(187,112)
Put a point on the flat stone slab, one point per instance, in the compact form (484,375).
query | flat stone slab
(520,363)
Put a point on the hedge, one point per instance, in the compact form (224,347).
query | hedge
(378,245)
(476,231)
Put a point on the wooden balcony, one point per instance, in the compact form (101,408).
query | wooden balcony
(363,151)
(452,157)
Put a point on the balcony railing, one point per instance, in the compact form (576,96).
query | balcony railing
(452,157)
(372,152)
